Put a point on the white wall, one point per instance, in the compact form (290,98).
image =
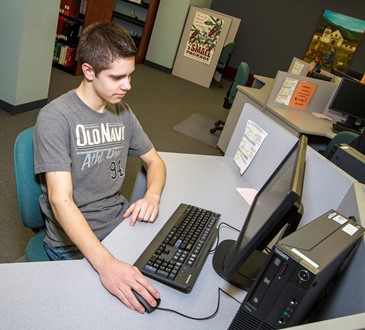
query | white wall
(27,35)
(168,28)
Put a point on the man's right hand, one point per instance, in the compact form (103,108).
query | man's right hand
(119,278)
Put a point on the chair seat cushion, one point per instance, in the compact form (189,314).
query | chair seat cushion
(35,249)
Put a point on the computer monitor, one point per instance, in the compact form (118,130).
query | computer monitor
(275,209)
(349,99)
(341,74)
(320,76)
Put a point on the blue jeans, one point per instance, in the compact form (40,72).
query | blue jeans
(63,252)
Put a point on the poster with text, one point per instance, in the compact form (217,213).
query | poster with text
(203,37)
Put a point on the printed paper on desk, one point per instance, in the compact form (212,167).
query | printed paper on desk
(248,194)
(286,91)
(249,145)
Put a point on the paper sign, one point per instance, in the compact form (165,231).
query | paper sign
(286,91)
(249,145)
(302,95)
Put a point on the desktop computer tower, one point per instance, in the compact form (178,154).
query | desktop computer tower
(298,272)
(350,160)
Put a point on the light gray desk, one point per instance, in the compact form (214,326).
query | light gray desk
(69,295)
(299,122)
(296,121)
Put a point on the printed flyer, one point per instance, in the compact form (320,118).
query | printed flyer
(203,38)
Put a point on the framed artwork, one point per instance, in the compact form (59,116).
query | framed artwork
(335,41)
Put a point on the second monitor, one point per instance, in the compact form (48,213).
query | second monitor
(276,207)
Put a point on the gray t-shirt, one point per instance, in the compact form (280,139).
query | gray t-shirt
(93,147)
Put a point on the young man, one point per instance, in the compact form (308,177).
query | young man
(81,144)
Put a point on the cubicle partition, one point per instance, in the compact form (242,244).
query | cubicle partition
(200,67)
(299,67)
(277,144)
(316,103)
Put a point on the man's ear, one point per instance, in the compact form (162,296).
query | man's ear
(88,71)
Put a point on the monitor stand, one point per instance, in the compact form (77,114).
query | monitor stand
(247,272)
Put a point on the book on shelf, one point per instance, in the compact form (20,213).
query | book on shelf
(61,19)
(65,7)
(83,6)
(64,54)
(69,31)
(70,7)
(75,8)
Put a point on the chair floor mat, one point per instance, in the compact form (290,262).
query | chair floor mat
(198,126)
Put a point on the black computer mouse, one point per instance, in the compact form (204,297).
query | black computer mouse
(148,308)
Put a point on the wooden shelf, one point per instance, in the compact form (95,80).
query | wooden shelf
(147,25)
(142,4)
(129,19)
(96,11)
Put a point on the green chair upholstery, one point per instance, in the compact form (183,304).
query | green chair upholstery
(344,137)
(223,60)
(225,55)
(28,191)
(241,78)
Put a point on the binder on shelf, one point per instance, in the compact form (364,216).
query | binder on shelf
(70,31)
(61,19)
(70,56)
(83,6)
(75,8)
(65,7)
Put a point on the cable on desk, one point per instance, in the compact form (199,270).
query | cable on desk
(205,317)
(219,227)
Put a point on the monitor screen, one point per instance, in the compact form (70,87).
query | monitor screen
(349,99)
(275,207)
(319,76)
(341,74)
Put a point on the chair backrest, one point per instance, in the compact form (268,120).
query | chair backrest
(27,187)
(345,137)
(240,79)
(225,55)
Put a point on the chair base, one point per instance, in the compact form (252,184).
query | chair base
(219,125)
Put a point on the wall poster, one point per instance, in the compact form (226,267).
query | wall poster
(335,41)
(203,37)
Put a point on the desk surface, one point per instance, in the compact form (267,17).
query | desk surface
(68,294)
(304,122)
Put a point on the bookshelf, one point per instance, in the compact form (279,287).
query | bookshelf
(138,18)
(78,14)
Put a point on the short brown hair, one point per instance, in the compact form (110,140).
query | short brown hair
(101,43)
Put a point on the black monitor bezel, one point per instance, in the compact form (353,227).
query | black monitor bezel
(334,103)
(266,233)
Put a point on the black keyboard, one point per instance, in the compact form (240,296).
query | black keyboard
(340,127)
(177,253)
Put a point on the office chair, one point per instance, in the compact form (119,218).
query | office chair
(344,137)
(28,191)
(240,79)
(222,62)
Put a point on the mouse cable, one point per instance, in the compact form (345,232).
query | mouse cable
(217,240)
(201,318)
